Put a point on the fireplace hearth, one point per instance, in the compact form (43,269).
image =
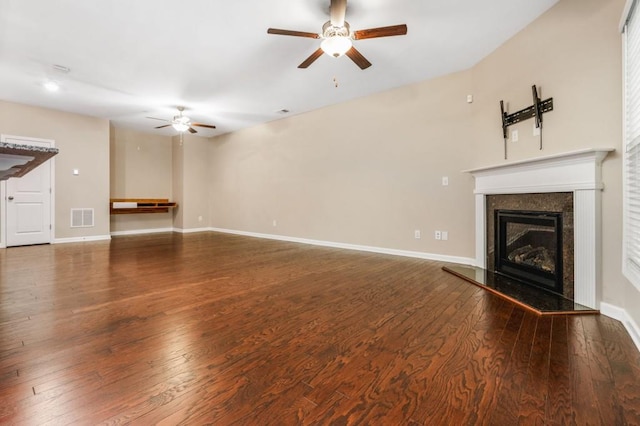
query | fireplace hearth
(528,247)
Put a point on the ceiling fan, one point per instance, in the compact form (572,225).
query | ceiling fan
(182,123)
(338,37)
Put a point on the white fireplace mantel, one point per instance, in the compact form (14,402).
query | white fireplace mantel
(578,172)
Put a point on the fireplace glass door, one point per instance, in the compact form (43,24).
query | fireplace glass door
(529,247)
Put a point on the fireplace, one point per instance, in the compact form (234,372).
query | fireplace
(578,173)
(528,247)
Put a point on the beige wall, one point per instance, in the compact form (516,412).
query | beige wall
(177,167)
(141,167)
(195,178)
(191,171)
(84,145)
(365,172)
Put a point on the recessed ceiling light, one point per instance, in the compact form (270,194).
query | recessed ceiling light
(51,86)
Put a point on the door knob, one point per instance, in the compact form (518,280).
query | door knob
(10,198)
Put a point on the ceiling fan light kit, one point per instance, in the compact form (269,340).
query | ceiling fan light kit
(180,127)
(338,37)
(336,46)
(337,40)
(181,123)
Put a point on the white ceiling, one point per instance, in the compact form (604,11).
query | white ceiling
(129,59)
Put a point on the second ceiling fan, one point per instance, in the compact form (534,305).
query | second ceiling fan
(338,37)
(182,123)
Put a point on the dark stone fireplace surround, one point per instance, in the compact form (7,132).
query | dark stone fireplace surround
(561,202)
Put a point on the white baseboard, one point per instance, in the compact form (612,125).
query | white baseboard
(381,250)
(621,315)
(82,239)
(142,231)
(191,230)
(332,244)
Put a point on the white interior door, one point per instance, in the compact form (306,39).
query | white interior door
(28,202)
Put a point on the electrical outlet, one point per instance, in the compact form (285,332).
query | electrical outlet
(445,180)
(445,235)
(416,234)
(438,235)
(514,136)
(275,223)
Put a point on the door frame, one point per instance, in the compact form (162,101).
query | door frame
(3,189)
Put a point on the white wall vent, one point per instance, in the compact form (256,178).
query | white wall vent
(81,218)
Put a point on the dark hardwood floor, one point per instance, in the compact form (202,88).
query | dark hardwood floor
(220,329)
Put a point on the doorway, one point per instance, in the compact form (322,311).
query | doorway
(27,202)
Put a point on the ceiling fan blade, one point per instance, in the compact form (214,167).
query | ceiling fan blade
(338,12)
(393,30)
(161,119)
(292,33)
(311,59)
(192,130)
(208,126)
(162,127)
(357,57)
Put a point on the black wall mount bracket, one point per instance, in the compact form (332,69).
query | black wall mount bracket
(536,110)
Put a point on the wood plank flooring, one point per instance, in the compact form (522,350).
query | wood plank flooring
(220,329)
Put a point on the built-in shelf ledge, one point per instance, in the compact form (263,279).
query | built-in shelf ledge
(140,205)
(579,172)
